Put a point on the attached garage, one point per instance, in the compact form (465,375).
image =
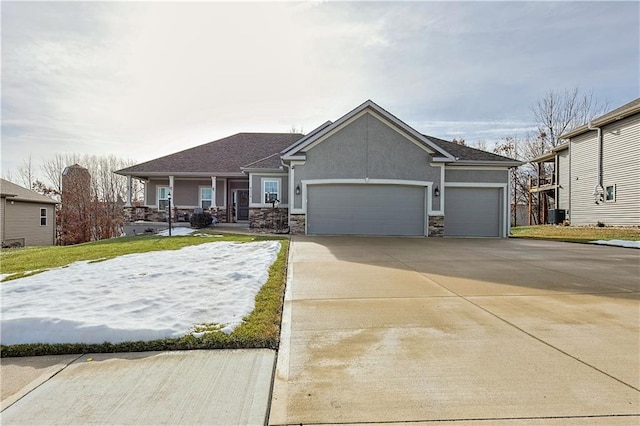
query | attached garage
(474,212)
(366,209)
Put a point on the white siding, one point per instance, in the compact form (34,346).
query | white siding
(621,167)
(563,179)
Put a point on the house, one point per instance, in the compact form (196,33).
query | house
(367,173)
(26,217)
(595,175)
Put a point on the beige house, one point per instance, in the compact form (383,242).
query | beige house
(26,217)
(595,174)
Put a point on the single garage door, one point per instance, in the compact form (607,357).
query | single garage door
(473,212)
(362,209)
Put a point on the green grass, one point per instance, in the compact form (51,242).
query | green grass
(259,329)
(577,234)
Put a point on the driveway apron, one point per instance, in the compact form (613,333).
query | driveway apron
(426,329)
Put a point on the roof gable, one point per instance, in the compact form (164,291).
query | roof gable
(371,107)
(19,193)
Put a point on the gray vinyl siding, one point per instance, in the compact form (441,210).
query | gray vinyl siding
(2,226)
(256,188)
(22,223)
(475,175)
(621,167)
(563,179)
(367,148)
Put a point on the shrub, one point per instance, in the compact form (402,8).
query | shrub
(600,224)
(201,220)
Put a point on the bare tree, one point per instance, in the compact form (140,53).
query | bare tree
(481,145)
(26,173)
(561,111)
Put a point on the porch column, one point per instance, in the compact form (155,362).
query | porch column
(129,191)
(213,191)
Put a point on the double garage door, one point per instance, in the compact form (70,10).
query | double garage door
(361,209)
(368,209)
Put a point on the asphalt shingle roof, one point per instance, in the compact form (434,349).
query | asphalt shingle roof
(463,152)
(19,193)
(225,155)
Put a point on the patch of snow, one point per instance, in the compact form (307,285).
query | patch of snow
(143,296)
(618,243)
(176,232)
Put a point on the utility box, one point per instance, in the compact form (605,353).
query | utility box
(557,216)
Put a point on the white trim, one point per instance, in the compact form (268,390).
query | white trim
(200,199)
(478,168)
(477,184)
(263,182)
(158,188)
(361,114)
(505,200)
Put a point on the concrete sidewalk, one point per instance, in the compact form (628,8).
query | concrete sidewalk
(463,331)
(186,387)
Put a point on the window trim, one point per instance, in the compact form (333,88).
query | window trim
(613,193)
(278,182)
(43,209)
(158,189)
(200,199)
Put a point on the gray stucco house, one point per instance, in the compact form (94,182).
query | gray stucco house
(595,174)
(26,217)
(367,173)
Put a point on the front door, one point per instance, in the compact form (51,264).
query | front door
(243,205)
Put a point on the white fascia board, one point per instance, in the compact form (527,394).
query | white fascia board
(278,171)
(475,185)
(457,167)
(442,160)
(505,164)
(301,141)
(302,158)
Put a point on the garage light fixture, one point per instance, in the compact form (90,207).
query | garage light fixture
(298,190)
(436,191)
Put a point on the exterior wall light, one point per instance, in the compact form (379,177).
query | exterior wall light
(436,192)
(298,190)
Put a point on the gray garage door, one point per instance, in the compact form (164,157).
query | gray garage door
(473,212)
(365,210)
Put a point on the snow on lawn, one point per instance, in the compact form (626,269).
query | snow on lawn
(142,296)
(618,243)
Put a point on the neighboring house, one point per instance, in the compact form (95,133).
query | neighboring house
(26,217)
(367,173)
(595,175)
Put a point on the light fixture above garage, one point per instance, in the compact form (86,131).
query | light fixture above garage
(436,191)
(298,190)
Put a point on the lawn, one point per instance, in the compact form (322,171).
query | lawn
(260,328)
(578,234)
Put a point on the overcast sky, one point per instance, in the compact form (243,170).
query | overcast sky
(142,80)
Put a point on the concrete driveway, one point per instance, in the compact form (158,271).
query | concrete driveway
(427,330)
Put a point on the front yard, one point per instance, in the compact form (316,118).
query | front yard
(578,234)
(143,293)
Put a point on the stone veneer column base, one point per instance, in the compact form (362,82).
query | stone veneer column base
(297,224)
(220,213)
(268,218)
(436,226)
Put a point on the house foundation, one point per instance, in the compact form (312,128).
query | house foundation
(436,226)
(268,218)
(297,224)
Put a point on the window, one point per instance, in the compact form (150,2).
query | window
(271,190)
(43,217)
(163,197)
(610,193)
(206,197)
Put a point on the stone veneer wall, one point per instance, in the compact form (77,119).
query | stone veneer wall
(220,213)
(297,224)
(436,226)
(268,218)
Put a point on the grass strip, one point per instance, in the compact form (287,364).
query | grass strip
(575,234)
(259,329)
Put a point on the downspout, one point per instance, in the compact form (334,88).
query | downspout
(598,192)
(570,166)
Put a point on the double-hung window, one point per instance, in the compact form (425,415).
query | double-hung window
(43,217)
(206,197)
(271,190)
(610,193)
(163,197)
